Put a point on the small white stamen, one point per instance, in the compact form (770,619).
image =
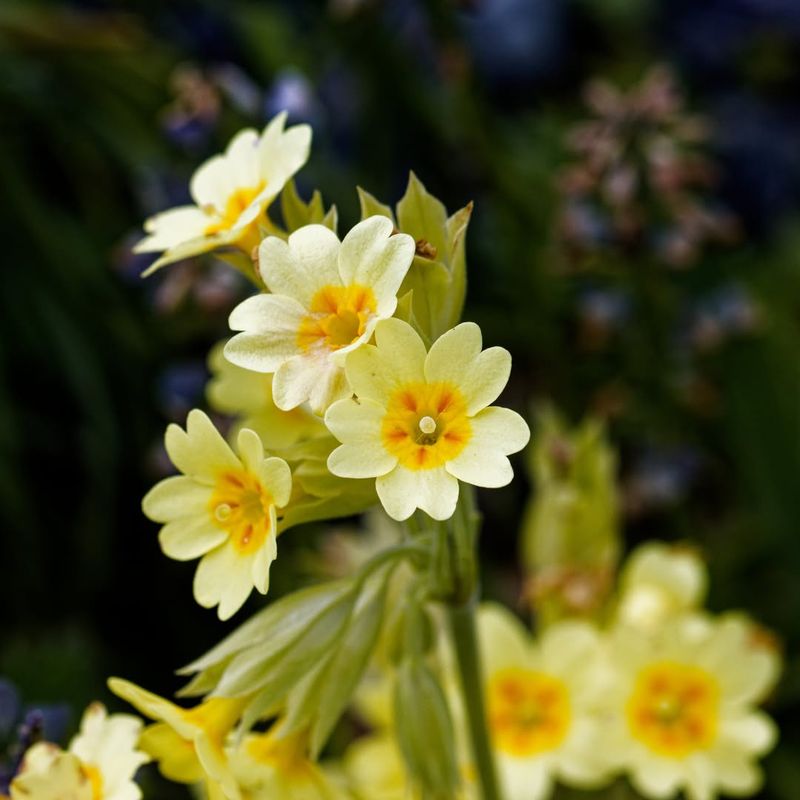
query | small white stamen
(427,425)
(222,512)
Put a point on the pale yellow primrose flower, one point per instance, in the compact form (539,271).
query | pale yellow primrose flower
(660,581)
(420,422)
(187,743)
(99,765)
(222,508)
(681,714)
(231,193)
(248,395)
(540,703)
(327,296)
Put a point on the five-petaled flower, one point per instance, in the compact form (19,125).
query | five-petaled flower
(222,508)
(419,422)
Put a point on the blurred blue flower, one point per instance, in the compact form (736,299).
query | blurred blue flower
(180,388)
(293,92)
(660,478)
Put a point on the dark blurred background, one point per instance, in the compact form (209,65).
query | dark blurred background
(636,248)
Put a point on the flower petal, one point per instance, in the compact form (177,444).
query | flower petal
(199,451)
(277,479)
(456,357)
(171,228)
(357,423)
(270,324)
(223,577)
(300,267)
(371,256)
(220,176)
(190,537)
(174,497)
(398,357)
(282,152)
(496,432)
(251,449)
(502,638)
(402,490)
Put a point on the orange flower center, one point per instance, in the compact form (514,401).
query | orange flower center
(674,709)
(426,424)
(235,206)
(528,711)
(241,505)
(95,778)
(338,316)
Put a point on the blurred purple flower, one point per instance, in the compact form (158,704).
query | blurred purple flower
(293,92)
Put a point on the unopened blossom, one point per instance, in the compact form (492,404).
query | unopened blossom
(187,743)
(100,763)
(222,508)
(231,193)
(682,713)
(420,422)
(326,298)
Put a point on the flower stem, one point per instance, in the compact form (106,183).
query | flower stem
(462,625)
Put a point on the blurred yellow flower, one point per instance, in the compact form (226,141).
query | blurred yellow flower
(187,743)
(222,508)
(681,714)
(231,193)
(327,298)
(420,421)
(100,763)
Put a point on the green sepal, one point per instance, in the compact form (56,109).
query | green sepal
(297,213)
(371,206)
(424,730)
(423,216)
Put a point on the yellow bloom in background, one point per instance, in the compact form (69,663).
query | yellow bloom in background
(100,763)
(187,743)
(375,769)
(231,192)
(541,698)
(327,296)
(420,421)
(221,508)
(660,581)
(681,713)
(248,395)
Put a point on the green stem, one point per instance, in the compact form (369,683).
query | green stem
(462,625)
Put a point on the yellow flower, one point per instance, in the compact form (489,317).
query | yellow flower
(420,422)
(273,765)
(540,703)
(99,765)
(248,395)
(660,581)
(187,743)
(681,714)
(231,193)
(222,508)
(327,298)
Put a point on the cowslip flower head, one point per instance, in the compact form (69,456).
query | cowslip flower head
(540,703)
(327,297)
(99,765)
(420,422)
(231,192)
(187,743)
(660,581)
(247,395)
(681,713)
(223,508)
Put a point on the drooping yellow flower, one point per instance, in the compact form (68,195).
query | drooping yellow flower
(420,421)
(231,193)
(327,296)
(540,703)
(660,581)
(248,396)
(681,714)
(187,743)
(221,508)
(99,764)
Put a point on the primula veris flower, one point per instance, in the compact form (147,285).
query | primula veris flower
(540,702)
(660,581)
(247,395)
(187,743)
(419,422)
(231,192)
(221,508)
(681,713)
(327,296)
(99,765)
